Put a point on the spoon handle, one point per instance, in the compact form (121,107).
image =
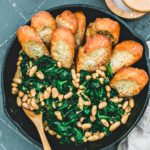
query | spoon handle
(44,140)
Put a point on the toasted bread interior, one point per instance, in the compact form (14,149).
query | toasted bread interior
(126,87)
(34,49)
(120,59)
(60,51)
(45,35)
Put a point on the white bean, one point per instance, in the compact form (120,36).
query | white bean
(78,75)
(58,136)
(25,97)
(59,64)
(46,128)
(86,126)
(20,58)
(131,102)
(81,87)
(81,119)
(33,92)
(76,84)
(49,89)
(105,122)
(34,105)
(125,104)
(46,94)
(101,80)
(79,124)
(94,110)
(32,71)
(18,100)
(58,115)
(93,138)
(17,80)
(92,118)
(14,90)
(25,105)
(108,94)
(124,118)
(40,75)
(88,77)
(116,99)
(19,63)
(29,101)
(108,89)
(128,109)
(102,74)
(20,94)
(72,139)
(114,126)
(54,92)
(60,97)
(43,103)
(101,135)
(102,68)
(77,80)
(87,134)
(14,85)
(87,103)
(51,132)
(102,105)
(68,95)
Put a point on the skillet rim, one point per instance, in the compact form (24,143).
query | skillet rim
(102,11)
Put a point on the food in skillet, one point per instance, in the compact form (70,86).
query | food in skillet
(83,102)
(95,53)
(44,23)
(105,26)
(129,81)
(67,19)
(63,46)
(126,53)
(31,42)
(81,20)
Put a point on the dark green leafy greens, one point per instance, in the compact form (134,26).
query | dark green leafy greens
(61,79)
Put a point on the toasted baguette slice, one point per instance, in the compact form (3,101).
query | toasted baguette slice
(125,54)
(96,52)
(44,23)
(67,19)
(63,46)
(81,19)
(31,42)
(105,26)
(129,81)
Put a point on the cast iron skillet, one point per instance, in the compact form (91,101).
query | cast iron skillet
(17,116)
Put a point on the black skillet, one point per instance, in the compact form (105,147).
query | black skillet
(17,116)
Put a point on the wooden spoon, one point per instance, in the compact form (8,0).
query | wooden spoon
(37,121)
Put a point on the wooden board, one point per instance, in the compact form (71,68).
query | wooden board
(120,9)
(138,5)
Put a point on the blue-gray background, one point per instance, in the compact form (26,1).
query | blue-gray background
(14,13)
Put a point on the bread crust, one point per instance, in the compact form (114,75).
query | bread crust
(138,76)
(44,23)
(27,35)
(67,19)
(104,24)
(63,44)
(90,56)
(81,19)
(129,47)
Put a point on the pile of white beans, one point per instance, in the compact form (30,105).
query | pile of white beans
(28,100)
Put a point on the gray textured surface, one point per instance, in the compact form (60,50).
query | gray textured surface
(14,13)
